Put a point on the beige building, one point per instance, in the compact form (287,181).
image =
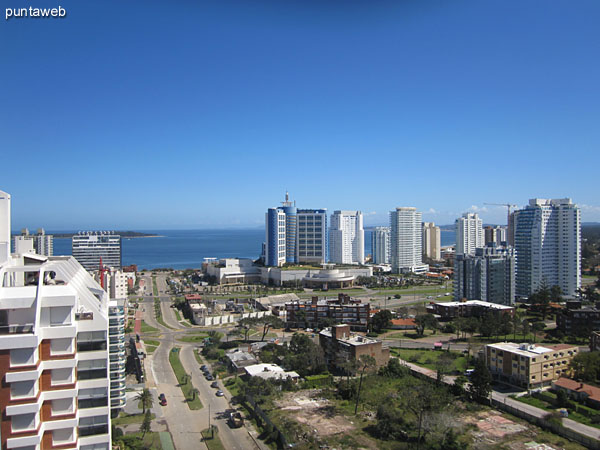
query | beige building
(431,241)
(528,365)
(340,345)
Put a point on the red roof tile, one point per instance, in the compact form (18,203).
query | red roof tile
(576,386)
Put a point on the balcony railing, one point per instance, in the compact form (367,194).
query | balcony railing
(90,346)
(92,402)
(26,328)
(93,430)
(84,316)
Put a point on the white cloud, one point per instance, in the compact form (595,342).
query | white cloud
(372,213)
(431,211)
(477,209)
(590,208)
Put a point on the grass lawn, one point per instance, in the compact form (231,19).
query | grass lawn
(177,315)
(154,288)
(198,357)
(213,443)
(180,374)
(195,338)
(147,328)
(410,334)
(428,358)
(150,349)
(152,342)
(151,441)
(573,415)
(185,323)
(127,419)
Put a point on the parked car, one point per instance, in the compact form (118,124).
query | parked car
(220,393)
(214,384)
(203,368)
(236,420)
(209,377)
(162,400)
(469,372)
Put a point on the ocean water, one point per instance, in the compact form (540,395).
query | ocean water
(182,249)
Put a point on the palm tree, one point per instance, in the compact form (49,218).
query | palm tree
(145,427)
(145,397)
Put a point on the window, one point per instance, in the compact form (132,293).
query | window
(60,316)
(61,376)
(22,389)
(62,406)
(62,436)
(22,356)
(63,346)
(23,422)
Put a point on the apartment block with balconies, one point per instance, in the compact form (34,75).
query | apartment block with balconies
(53,351)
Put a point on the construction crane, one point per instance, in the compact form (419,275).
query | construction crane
(508,206)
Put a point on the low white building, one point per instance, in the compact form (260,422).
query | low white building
(233,271)
(279,276)
(270,372)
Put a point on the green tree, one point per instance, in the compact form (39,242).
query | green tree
(443,365)
(422,400)
(481,381)
(146,399)
(194,393)
(490,325)
(425,321)
(305,357)
(562,399)
(586,366)
(536,328)
(145,426)
(390,422)
(267,323)
(381,320)
(365,362)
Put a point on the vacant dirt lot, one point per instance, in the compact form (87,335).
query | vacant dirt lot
(314,412)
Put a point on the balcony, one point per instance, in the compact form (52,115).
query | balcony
(91,374)
(90,346)
(92,402)
(84,316)
(93,430)
(26,328)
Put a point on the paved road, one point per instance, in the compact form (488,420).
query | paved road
(184,424)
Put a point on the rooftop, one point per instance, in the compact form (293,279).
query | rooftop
(476,303)
(572,385)
(353,339)
(530,350)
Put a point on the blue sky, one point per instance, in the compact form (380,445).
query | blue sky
(185,114)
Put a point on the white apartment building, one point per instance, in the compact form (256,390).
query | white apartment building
(42,243)
(53,351)
(431,241)
(548,246)
(406,241)
(469,234)
(114,282)
(275,237)
(347,238)
(117,354)
(88,247)
(380,245)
